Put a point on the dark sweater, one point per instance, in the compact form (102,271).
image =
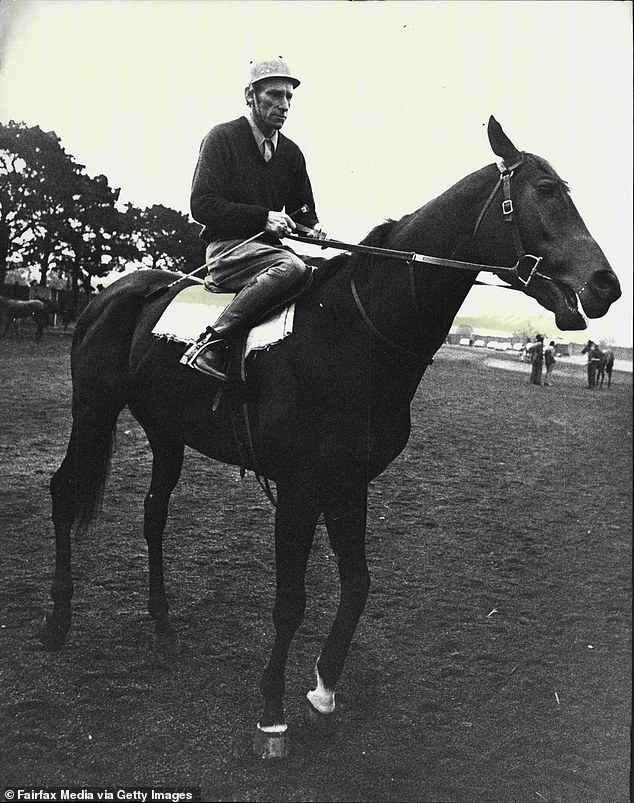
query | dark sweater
(234,188)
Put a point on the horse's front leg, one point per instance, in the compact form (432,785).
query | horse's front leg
(295,520)
(345,512)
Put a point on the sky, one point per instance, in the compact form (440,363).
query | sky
(392,108)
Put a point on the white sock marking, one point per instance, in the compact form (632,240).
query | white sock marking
(322,698)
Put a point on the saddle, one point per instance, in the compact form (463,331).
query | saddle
(194,309)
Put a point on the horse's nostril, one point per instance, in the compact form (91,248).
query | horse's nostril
(606,281)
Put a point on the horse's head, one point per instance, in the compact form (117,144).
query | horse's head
(541,219)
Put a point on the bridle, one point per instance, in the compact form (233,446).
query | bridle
(524,270)
(523,274)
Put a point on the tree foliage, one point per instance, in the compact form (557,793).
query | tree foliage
(57,219)
(165,238)
(36,186)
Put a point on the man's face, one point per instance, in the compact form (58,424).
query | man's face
(270,101)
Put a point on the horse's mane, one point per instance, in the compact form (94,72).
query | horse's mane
(378,233)
(337,264)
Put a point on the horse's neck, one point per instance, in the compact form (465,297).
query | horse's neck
(442,228)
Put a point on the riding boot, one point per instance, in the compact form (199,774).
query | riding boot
(209,356)
(250,305)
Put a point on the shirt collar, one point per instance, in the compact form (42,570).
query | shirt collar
(259,136)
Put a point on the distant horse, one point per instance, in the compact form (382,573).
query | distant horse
(604,368)
(600,363)
(329,406)
(59,308)
(17,310)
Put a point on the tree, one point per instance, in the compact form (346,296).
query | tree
(37,182)
(56,217)
(165,238)
(97,237)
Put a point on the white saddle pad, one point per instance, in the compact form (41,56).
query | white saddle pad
(194,309)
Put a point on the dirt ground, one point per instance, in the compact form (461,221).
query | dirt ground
(493,662)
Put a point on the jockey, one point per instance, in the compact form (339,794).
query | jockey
(249,180)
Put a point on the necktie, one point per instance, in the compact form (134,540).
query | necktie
(267,149)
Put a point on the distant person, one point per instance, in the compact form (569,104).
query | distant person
(549,361)
(251,180)
(525,353)
(595,359)
(537,360)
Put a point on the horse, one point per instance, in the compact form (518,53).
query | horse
(329,406)
(16,310)
(600,363)
(604,368)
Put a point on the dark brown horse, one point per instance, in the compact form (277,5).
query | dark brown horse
(605,368)
(15,310)
(329,405)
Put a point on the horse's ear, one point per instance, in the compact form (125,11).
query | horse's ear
(500,143)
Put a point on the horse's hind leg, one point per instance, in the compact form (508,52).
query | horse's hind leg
(76,491)
(56,624)
(166,468)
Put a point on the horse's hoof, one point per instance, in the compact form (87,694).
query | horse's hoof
(323,724)
(270,745)
(52,634)
(168,643)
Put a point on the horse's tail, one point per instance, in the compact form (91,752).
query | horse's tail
(101,389)
(84,472)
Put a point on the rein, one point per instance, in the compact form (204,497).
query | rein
(404,256)
(518,271)
(424,358)
(524,270)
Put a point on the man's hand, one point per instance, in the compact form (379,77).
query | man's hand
(318,232)
(279,224)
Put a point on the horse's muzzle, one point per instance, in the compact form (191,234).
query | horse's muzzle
(600,291)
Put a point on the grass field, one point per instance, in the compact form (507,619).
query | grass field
(493,662)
